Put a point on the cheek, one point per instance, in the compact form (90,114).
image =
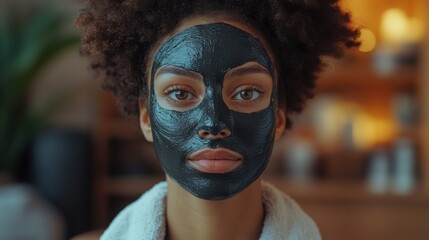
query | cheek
(173,125)
(256,128)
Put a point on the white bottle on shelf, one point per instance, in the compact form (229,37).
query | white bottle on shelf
(403,177)
(378,172)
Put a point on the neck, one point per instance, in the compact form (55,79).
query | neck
(239,217)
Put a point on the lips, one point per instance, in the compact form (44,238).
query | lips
(220,160)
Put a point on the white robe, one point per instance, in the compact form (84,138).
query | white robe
(144,219)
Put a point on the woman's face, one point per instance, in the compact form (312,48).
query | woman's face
(213,108)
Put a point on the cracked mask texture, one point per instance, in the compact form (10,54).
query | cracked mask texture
(212,50)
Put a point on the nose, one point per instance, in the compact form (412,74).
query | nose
(208,135)
(216,117)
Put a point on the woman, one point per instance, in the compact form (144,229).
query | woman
(213,84)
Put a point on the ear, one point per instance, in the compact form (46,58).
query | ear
(280,124)
(144,120)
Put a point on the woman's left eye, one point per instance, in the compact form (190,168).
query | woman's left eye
(247,94)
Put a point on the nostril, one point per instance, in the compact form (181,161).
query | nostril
(206,134)
(225,133)
(203,133)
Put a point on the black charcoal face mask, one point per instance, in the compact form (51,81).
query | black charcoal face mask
(211,50)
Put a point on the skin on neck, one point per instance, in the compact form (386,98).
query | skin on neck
(189,217)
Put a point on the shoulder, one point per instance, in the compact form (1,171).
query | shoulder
(142,219)
(285,218)
(92,235)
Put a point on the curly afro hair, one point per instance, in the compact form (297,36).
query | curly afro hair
(117,35)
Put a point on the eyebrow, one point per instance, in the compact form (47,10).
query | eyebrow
(177,71)
(241,71)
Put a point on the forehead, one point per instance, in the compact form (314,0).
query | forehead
(206,47)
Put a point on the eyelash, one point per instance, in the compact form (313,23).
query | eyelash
(248,88)
(176,88)
(167,92)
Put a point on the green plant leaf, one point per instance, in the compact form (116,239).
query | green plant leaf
(29,125)
(27,45)
(24,79)
(6,50)
(45,25)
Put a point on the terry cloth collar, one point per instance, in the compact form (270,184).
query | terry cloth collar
(144,219)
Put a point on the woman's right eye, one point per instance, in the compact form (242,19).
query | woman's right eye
(179,93)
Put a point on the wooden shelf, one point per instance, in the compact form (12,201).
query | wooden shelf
(348,191)
(320,191)
(120,128)
(360,76)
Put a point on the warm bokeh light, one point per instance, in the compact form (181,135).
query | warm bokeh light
(416,30)
(347,124)
(363,131)
(394,25)
(368,40)
(369,131)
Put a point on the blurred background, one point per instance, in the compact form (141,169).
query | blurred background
(357,159)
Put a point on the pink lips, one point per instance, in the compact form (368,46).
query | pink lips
(219,160)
